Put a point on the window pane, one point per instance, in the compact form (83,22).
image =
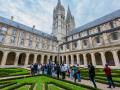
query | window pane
(114,36)
(1,38)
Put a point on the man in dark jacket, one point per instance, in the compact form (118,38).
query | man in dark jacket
(57,70)
(108,74)
(91,73)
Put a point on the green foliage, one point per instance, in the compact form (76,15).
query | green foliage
(5,72)
(38,81)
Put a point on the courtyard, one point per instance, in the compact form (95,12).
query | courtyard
(59,45)
(20,79)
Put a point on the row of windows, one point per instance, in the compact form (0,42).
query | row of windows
(13,39)
(97,29)
(114,36)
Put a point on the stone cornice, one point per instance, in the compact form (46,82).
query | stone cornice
(92,49)
(92,35)
(27,49)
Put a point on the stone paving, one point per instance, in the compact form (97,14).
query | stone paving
(99,85)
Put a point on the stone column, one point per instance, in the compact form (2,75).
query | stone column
(48,57)
(42,59)
(67,62)
(26,59)
(85,60)
(78,61)
(72,60)
(53,59)
(103,58)
(116,59)
(4,58)
(93,59)
(62,59)
(17,58)
(35,58)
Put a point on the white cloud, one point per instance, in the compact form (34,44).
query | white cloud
(39,12)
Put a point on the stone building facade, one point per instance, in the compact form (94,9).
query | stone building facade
(97,42)
(21,45)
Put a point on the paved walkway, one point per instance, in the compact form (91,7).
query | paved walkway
(99,85)
(85,82)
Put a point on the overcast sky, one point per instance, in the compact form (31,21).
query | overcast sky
(39,12)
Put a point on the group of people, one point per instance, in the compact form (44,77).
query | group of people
(73,72)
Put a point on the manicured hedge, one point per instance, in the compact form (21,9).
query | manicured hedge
(5,72)
(22,84)
(81,85)
(7,84)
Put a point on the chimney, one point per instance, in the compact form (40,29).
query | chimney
(12,18)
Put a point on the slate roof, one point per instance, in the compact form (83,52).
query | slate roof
(26,28)
(96,22)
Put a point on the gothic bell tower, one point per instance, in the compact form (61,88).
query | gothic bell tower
(70,23)
(58,27)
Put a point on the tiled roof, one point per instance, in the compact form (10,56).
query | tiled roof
(96,22)
(26,28)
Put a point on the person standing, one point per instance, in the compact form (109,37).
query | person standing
(71,73)
(78,75)
(91,72)
(108,74)
(32,69)
(75,68)
(63,71)
(35,68)
(58,70)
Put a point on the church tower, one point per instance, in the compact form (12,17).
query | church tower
(58,28)
(70,23)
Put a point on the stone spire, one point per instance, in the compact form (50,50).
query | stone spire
(69,13)
(58,28)
(59,3)
(70,23)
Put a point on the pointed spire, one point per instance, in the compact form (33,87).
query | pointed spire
(59,3)
(69,12)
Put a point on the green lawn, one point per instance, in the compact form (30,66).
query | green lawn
(12,71)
